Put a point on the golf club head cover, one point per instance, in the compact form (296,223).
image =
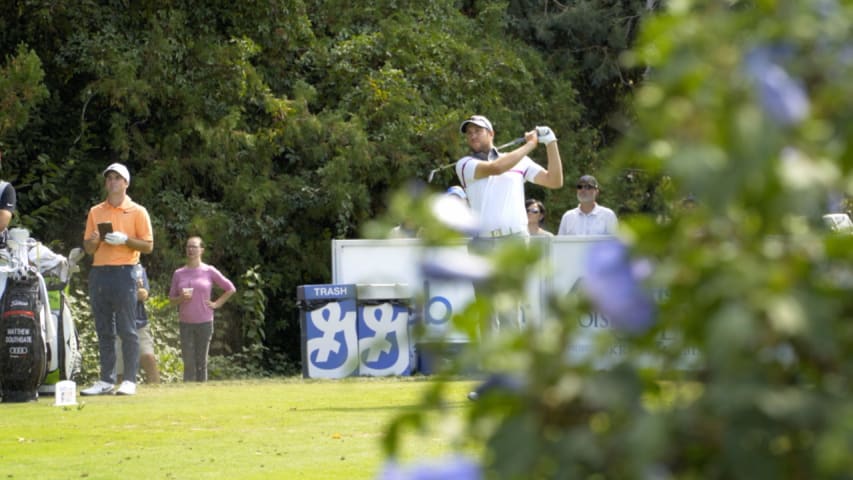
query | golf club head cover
(546,135)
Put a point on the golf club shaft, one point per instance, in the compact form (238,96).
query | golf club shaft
(508,144)
(511,143)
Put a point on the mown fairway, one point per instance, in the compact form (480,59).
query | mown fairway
(284,428)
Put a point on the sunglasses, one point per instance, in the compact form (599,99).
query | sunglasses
(584,186)
(533,210)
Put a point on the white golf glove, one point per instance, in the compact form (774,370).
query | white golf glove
(116,238)
(546,135)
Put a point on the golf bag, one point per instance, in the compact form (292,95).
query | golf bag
(40,342)
(23,352)
(64,359)
(64,356)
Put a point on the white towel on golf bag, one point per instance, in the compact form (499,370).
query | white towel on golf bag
(47,261)
(34,259)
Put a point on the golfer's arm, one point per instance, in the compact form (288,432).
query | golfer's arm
(504,162)
(552,176)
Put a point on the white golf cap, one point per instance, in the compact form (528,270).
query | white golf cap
(119,169)
(478,120)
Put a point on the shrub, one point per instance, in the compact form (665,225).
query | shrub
(745,113)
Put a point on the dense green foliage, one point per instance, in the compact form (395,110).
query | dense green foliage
(272,127)
(746,111)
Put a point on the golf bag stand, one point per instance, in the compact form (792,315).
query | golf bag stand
(65,359)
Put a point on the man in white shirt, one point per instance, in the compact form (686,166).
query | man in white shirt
(588,218)
(494,183)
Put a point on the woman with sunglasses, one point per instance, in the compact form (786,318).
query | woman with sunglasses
(588,218)
(536,218)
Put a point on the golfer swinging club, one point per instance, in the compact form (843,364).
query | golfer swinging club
(494,182)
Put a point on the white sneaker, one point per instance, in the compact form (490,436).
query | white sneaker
(126,388)
(99,388)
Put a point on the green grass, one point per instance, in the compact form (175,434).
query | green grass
(286,428)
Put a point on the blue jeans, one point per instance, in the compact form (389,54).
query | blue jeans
(195,343)
(112,295)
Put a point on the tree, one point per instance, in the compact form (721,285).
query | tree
(269,128)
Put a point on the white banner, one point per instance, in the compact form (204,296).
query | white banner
(396,261)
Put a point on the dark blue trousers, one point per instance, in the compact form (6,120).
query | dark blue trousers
(112,295)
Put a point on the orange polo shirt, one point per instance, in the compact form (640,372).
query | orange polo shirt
(129,218)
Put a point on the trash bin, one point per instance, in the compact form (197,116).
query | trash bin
(329,338)
(384,330)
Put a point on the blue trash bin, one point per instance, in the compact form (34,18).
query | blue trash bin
(328,330)
(384,330)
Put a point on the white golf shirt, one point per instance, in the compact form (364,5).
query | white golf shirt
(498,200)
(600,221)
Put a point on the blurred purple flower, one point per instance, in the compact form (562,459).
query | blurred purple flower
(845,58)
(835,202)
(457,468)
(611,282)
(827,9)
(782,97)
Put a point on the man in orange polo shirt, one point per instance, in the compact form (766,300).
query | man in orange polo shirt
(112,286)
